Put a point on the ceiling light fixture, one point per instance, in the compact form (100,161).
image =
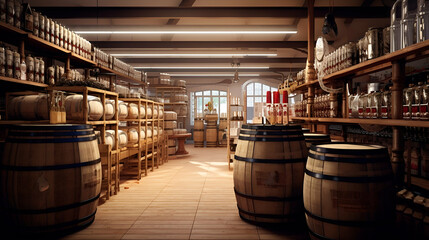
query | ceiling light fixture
(213,75)
(137,55)
(185,32)
(167,67)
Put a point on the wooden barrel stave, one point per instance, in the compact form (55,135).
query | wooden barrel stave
(61,194)
(362,193)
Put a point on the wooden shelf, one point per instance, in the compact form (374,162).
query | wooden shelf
(175,103)
(166,87)
(124,77)
(410,53)
(236,105)
(386,122)
(23,82)
(12,122)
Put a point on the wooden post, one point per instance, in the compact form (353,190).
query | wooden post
(22,50)
(67,64)
(398,165)
(310,72)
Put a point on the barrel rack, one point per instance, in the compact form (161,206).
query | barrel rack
(111,156)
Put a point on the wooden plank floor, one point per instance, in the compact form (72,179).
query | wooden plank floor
(187,198)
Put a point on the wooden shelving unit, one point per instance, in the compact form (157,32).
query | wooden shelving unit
(23,82)
(230,153)
(396,62)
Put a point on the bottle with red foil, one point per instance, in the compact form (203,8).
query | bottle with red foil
(269,111)
(278,109)
(285,119)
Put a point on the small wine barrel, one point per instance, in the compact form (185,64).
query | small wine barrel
(198,123)
(133,135)
(348,191)
(198,137)
(50,178)
(133,111)
(169,132)
(170,124)
(123,138)
(109,108)
(222,138)
(109,138)
(161,112)
(223,123)
(268,173)
(171,150)
(149,112)
(29,107)
(211,136)
(148,132)
(170,116)
(154,131)
(142,134)
(171,142)
(142,111)
(123,110)
(155,113)
(74,107)
(316,138)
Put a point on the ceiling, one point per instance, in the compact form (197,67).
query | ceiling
(353,18)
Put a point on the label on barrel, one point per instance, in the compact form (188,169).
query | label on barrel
(350,200)
(270,179)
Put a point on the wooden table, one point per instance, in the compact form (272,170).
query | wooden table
(181,139)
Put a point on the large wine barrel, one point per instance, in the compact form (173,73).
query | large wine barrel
(268,173)
(198,132)
(348,191)
(50,178)
(74,107)
(316,138)
(29,107)
(211,136)
(198,123)
(170,124)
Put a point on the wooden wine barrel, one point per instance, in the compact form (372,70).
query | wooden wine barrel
(171,150)
(222,138)
(123,138)
(29,107)
(109,108)
(316,138)
(198,123)
(123,110)
(149,112)
(142,134)
(133,135)
(211,136)
(142,111)
(110,138)
(223,123)
(170,124)
(50,178)
(161,112)
(133,111)
(198,137)
(171,142)
(348,191)
(74,107)
(268,173)
(155,113)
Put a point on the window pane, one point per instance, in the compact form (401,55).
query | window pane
(264,99)
(273,89)
(216,104)
(250,101)
(258,99)
(215,93)
(222,93)
(266,89)
(199,105)
(258,89)
(206,100)
(250,89)
(198,93)
(206,93)
(223,105)
(249,114)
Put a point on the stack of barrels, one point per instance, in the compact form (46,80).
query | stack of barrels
(345,191)
(211,130)
(170,123)
(222,132)
(198,132)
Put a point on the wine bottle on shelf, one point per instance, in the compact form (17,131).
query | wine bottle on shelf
(285,116)
(269,111)
(278,109)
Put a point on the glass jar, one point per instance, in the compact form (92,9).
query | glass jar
(2,61)
(376,104)
(409,22)
(424,111)
(417,97)
(16,65)
(386,105)
(362,105)
(407,102)
(395,26)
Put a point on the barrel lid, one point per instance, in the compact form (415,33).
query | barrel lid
(348,148)
(270,127)
(52,126)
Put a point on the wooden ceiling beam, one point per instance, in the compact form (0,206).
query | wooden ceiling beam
(207,12)
(213,60)
(169,70)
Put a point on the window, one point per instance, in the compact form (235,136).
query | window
(201,98)
(256,95)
